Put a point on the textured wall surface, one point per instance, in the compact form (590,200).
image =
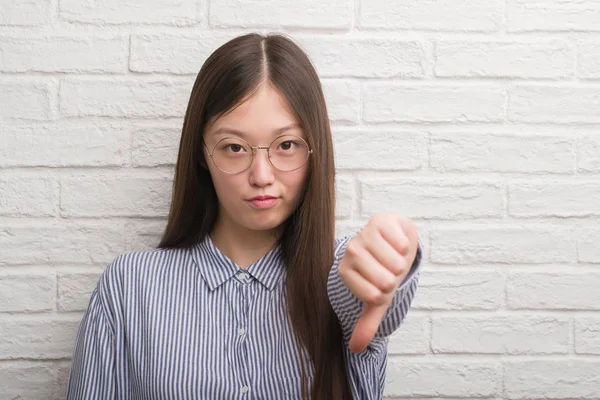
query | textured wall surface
(478,119)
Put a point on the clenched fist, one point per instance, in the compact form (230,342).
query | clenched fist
(376,262)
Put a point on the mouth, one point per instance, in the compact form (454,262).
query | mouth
(263,202)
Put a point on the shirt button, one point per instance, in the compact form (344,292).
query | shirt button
(245,389)
(241,276)
(241,331)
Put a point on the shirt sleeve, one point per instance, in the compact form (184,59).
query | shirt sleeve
(348,307)
(92,374)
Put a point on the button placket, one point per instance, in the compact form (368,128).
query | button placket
(241,339)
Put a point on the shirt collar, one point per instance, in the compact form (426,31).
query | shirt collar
(216,268)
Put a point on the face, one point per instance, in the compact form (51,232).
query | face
(258,120)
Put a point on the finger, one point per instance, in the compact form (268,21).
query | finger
(372,270)
(366,327)
(393,233)
(385,254)
(364,290)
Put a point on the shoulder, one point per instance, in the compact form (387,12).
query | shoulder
(129,262)
(135,268)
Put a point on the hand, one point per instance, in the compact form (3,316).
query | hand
(375,264)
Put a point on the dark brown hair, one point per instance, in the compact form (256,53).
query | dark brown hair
(228,76)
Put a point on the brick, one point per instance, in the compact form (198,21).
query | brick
(559,104)
(124,97)
(412,337)
(393,102)
(366,57)
(118,195)
(75,289)
(164,12)
(432,198)
(376,150)
(35,338)
(587,245)
(333,57)
(27,380)
(27,292)
(47,54)
(502,244)
(410,377)
(343,100)
(142,234)
(28,195)
(155,145)
(543,59)
(553,290)
(501,152)
(271,13)
(174,53)
(555,199)
(444,15)
(28,98)
(345,196)
(62,371)
(588,153)
(460,289)
(549,15)
(64,143)
(587,335)
(499,334)
(552,379)
(589,60)
(24,13)
(60,241)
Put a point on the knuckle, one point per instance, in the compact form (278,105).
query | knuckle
(387,285)
(380,299)
(372,296)
(404,244)
(399,266)
(352,248)
(401,271)
(378,220)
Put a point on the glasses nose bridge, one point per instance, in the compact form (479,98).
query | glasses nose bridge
(254,148)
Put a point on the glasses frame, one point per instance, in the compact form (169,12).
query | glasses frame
(254,149)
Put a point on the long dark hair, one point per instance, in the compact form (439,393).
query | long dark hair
(228,76)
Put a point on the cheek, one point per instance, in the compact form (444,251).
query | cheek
(225,186)
(295,181)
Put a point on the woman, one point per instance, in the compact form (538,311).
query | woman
(248,295)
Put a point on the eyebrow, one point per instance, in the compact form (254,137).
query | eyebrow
(226,130)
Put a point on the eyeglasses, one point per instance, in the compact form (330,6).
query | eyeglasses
(234,155)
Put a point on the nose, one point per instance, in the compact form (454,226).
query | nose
(261,170)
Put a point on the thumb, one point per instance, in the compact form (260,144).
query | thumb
(367,327)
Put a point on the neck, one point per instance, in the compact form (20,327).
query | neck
(241,245)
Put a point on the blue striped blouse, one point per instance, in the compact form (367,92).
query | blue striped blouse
(190,324)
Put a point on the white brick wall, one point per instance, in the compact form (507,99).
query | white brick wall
(480,120)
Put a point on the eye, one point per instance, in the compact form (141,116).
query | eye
(236,148)
(287,144)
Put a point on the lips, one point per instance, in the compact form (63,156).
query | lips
(262,198)
(263,202)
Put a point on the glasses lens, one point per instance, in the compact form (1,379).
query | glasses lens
(232,155)
(288,152)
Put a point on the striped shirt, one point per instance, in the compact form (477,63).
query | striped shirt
(190,324)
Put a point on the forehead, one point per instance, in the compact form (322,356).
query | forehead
(262,115)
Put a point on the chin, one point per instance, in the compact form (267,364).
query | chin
(265,224)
